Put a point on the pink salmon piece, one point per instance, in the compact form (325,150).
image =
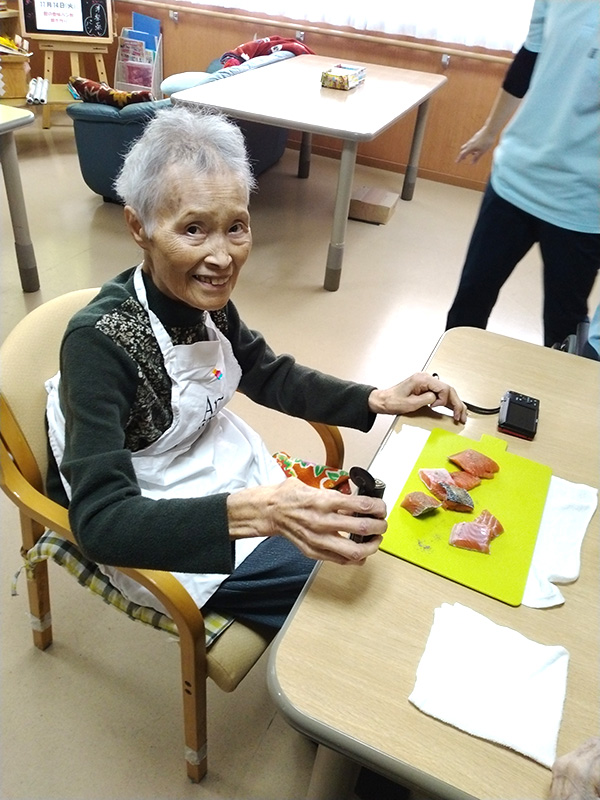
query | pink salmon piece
(475,462)
(418,503)
(432,478)
(470,536)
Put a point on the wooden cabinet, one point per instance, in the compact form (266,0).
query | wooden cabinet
(14,69)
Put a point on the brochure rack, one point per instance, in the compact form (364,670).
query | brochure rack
(139,57)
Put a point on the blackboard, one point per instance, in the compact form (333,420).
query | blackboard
(67,20)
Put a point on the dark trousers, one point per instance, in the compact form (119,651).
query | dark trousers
(503,234)
(266,585)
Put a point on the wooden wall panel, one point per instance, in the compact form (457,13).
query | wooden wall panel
(456,112)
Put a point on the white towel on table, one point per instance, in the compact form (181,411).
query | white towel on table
(567,513)
(492,682)
(556,558)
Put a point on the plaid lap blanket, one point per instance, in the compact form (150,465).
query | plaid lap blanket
(88,574)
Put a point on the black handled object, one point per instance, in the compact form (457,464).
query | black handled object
(367,486)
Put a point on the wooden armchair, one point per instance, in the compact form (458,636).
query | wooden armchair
(28,357)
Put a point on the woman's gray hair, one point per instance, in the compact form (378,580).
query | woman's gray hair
(193,139)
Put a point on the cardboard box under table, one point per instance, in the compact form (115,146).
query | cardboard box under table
(372,205)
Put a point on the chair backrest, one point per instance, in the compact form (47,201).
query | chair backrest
(28,357)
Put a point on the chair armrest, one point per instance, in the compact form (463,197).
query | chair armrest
(333,443)
(46,512)
(29,500)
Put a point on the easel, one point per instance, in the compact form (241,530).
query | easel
(58,94)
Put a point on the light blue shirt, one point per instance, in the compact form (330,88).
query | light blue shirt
(548,160)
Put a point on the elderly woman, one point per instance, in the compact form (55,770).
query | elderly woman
(156,471)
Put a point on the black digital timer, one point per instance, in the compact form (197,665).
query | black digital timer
(519,415)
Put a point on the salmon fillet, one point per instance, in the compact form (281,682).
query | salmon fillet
(418,503)
(478,534)
(456,499)
(432,478)
(489,520)
(470,536)
(475,463)
(465,480)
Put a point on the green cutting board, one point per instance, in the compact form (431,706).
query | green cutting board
(516,495)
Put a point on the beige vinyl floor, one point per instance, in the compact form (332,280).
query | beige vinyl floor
(97,716)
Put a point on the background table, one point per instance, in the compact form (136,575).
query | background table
(11,119)
(289,94)
(343,666)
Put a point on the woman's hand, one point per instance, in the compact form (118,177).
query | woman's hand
(317,521)
(576,775)
(416,392)
(505,105)
(477,145)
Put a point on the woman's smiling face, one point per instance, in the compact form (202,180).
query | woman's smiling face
(201,238)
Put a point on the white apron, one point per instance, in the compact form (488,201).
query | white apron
(206,450)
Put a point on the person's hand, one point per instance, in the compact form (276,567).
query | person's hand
(317,521)
(576,775)
(477,145)
(416,392)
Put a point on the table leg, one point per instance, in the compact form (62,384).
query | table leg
(304,158)
(410,177)
(333,776)
(333,270)
(16,204)
(48,72)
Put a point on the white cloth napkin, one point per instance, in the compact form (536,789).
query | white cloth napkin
(567,514)
(394,461)
(492,682)
(556,558)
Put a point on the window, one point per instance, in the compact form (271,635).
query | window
(493,25)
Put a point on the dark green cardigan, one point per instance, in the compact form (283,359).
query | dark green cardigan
(115,395)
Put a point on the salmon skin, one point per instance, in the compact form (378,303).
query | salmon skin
(478,534)
(456,499)
(440,483)
(418,503)
(475,463)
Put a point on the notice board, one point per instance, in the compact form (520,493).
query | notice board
(67,21)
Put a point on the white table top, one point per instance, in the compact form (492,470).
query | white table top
(12,118)
(289,94)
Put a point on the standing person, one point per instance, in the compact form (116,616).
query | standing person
(156,472)
(544,185)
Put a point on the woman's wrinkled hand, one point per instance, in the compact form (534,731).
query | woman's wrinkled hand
(416,392)
(576,775)
(317,521)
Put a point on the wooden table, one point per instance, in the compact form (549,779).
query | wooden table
(11,119)
(343,666)
(289,94)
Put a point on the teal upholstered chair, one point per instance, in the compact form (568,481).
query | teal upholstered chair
(103,134)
